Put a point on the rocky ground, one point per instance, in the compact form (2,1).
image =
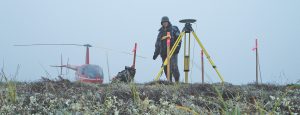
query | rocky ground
(64,97)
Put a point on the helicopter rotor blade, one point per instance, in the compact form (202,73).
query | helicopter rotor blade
(47,44)
(121,52)
(57,66)
(86,45)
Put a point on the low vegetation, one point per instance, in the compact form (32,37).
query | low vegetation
(61,96)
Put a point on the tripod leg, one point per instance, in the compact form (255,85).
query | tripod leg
(159,74)
(170,55)
(208,57)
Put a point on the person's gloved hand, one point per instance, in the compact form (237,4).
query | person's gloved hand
(155,56)
(165,37)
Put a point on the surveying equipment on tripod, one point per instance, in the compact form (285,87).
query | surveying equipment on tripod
(188,30)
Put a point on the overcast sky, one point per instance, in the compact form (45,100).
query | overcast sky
(227,29)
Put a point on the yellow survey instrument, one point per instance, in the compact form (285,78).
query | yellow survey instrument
(188,30)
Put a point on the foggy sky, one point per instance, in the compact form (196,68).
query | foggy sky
(227,29)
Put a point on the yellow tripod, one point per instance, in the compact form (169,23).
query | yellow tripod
(187,30)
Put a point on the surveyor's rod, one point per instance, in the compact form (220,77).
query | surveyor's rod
(256,48)
(134,55)
(168,57)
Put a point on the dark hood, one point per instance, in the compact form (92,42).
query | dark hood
(168,28)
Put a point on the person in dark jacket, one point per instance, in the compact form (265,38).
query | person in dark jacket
(161,47)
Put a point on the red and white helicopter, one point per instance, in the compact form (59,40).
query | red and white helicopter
(88,73)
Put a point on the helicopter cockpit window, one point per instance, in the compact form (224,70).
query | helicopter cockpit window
(91,71)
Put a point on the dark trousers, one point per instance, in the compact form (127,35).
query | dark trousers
(173,67)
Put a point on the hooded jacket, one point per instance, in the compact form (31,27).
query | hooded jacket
(161,45)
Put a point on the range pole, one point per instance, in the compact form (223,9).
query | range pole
(168,57)
(257,68)
(134,55)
